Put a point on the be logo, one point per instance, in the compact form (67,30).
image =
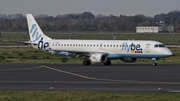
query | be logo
(133,48)
(136,48)
(42,45)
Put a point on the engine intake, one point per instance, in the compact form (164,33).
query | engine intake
(98,58)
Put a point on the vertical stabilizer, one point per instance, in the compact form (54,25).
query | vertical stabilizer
(35,31)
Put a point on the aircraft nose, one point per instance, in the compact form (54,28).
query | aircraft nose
(168,52)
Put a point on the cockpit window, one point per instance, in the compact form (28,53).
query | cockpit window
(155,45)
(159,45)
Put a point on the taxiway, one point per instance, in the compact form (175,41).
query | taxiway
(130,77)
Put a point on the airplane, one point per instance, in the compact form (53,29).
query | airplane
(97,51)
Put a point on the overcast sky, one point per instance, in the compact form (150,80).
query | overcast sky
(105,7)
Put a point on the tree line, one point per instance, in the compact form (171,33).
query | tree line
(88,22)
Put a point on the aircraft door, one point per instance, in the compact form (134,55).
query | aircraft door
(147,48)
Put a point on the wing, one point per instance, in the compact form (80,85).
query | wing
(28,43)
(74,53)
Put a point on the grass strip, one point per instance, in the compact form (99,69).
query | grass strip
(85,96)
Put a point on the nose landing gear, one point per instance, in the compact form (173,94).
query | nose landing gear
(155,62)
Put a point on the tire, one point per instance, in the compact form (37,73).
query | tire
(86,63)
(154,64)
(107,63)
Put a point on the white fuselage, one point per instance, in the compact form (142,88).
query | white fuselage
(113,48)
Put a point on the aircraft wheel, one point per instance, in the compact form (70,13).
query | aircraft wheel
(154,64)
(86,63)
(108,62)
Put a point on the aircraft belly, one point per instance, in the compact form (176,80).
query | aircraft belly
(118,56)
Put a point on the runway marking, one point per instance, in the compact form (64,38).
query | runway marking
(1,70)
(63,82)
(108,80)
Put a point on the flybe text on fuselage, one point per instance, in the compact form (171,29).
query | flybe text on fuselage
(133,48)
(43,45)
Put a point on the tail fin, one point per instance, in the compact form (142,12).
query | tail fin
(35,31)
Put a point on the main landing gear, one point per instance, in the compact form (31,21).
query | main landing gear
(108,62)
(86,62)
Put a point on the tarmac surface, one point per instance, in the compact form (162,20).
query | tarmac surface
(114,78)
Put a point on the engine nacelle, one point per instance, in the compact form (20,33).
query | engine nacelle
(129,59)
(98,58)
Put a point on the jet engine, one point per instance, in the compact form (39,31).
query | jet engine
(129,59)
(98,58)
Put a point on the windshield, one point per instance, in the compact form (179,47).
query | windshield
(159,45)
